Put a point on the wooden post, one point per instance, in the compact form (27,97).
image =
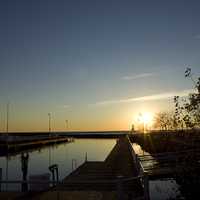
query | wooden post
(86,157)
(53,175)
(137,163)
(54,169)
(57,175)
(0,177)
(74,164)
(146,186)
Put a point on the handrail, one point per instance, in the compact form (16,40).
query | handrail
(78,181)
(142,176)
(28,182)
(135,157)
(117,182)
(176,152)
(142,173)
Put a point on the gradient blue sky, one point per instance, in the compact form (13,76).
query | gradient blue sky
(96,63)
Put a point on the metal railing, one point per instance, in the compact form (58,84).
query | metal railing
(140,170)
(118,183)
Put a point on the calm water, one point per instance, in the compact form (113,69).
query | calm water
(63,154)
(163,189)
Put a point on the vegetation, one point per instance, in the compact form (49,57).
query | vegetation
(187,109)
(164,121)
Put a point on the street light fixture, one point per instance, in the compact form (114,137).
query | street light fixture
(49,114)
(67,123)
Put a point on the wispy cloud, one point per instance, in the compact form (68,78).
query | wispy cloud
(62,108)
(67,106)
(137,76)
(197,36)
(153,97)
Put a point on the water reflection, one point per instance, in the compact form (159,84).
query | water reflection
(62,155)
(138,150)
(147,163)
(21,166)
(164,189)
(161,189)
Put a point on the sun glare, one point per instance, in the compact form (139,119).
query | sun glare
(146,118)
(144,121)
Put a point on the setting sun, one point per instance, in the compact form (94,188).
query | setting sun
(145,119)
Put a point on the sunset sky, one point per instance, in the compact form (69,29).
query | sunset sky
(97,64)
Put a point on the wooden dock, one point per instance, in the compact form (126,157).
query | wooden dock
(117,177)
(170,164)
(111,175)
(13,146)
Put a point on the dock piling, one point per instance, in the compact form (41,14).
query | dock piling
(0,177)
(146,186)
(53,169)
(74,164)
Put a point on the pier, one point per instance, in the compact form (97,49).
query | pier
(13,144)
(119,176)
(123,175)
(170,164)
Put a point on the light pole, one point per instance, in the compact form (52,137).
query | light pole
(66,121)
(7,118)
(7,129)
(49,114)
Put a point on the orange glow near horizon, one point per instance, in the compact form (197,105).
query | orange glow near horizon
(145,119)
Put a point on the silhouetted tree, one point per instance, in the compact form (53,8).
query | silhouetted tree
(164,121)
(179,114)
(187,110)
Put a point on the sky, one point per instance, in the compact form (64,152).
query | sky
(94,63)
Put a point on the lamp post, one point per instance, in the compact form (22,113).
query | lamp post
(49,115)
(7,129)
(7,118)
(66,121)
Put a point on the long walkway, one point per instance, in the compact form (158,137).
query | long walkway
(112,179)
(103,178)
